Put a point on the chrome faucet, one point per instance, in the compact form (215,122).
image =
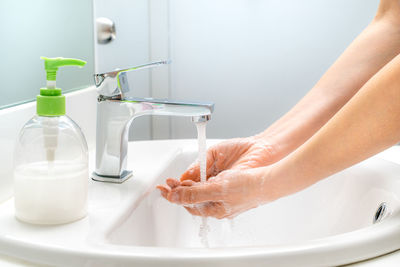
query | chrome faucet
(115,113)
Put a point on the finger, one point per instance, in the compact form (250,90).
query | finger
(164,189)
(172,182)
(187,183)
(193,172)
(197,193)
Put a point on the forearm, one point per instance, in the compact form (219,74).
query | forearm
(369,52)
(367,124)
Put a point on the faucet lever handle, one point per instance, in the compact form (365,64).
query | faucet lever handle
(116,83)
(147,65)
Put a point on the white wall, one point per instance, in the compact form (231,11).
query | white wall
(31,29)
(255,58)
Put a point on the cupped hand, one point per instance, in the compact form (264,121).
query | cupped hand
(234,179)
(234,154)
(223,196)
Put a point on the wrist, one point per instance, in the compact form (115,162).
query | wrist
(272,146)
(280,180)
(266,185)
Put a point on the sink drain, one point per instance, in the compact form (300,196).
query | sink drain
(380,213)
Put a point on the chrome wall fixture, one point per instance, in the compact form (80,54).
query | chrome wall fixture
(105,29)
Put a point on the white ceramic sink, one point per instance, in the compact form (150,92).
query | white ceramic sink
(344,203)
(330,223)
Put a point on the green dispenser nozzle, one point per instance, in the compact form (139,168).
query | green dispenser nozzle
(51,102)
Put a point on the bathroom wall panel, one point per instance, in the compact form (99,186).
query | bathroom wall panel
(255,59)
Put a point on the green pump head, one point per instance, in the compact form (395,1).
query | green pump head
(51,102)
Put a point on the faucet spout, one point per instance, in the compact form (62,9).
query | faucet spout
(202,118)
(114,117)
(168,107)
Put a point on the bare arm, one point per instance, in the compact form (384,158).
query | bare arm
(367,124)
(369,52)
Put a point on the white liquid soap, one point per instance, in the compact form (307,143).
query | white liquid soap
(51,192)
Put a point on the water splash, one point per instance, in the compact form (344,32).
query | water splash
(202,156)
(202,159)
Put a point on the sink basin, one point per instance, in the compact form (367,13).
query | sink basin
(129,224)
(344,203)
(330,223)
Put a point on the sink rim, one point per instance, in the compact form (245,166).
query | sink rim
(307,252)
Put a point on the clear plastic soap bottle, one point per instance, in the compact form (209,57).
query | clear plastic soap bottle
(51,159)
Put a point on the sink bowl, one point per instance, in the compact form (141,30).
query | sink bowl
(337,221)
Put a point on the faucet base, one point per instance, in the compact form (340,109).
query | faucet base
(112,179)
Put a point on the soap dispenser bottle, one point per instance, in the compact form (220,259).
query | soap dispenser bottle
(51,159)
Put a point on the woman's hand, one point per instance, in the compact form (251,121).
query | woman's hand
(234,154)
(234,179)
(224,196)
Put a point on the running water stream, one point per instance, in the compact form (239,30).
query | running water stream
(202,159)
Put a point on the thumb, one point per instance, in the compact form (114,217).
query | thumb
(193,172)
